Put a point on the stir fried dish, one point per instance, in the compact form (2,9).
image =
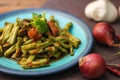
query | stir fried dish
(36,42)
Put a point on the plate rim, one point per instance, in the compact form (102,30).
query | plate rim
(36,73)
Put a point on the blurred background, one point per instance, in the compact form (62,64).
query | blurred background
(75,7)
(9,5)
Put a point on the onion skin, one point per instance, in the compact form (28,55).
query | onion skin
(105,34)
(92,66)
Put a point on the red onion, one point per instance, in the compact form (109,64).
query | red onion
(105,34)
(92,66)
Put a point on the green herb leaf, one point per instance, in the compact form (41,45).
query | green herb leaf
(35,15)
(39,21)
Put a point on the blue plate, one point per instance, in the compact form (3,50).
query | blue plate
(79,30)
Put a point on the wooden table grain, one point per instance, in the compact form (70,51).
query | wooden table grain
(10,5)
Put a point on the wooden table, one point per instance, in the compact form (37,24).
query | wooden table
(75,7)
(9,5)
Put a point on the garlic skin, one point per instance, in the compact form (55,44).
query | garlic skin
(96,10)
(101,10)
(111,14)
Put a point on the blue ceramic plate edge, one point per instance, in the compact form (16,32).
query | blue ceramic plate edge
(74,62)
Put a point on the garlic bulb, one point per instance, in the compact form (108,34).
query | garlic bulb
(101,10)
